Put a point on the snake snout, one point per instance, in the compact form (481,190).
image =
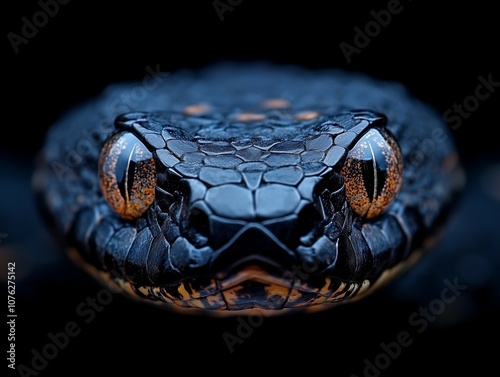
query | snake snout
(253,245)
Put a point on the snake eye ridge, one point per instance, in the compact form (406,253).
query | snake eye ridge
(127,175)
(373,173)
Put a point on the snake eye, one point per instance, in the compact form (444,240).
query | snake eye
(373,173)
(127,175)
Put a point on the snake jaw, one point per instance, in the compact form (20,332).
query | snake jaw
(267,263)
(250,288)
(254,269)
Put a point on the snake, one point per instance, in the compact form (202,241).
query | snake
(248,187)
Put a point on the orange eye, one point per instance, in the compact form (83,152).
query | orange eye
(127,175)
(373,172)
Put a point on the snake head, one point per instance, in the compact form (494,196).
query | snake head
(274,219)
(259,188)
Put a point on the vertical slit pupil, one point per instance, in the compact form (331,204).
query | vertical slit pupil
(125,170)
(381,161)
(368,167)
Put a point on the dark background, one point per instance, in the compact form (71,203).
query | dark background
(437,52)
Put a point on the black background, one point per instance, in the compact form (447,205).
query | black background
(437,52)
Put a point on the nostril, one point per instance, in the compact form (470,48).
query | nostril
(198,229)
(308,225)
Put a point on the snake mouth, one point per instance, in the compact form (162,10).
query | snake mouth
(267,266)
(251,288)
(253,270)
